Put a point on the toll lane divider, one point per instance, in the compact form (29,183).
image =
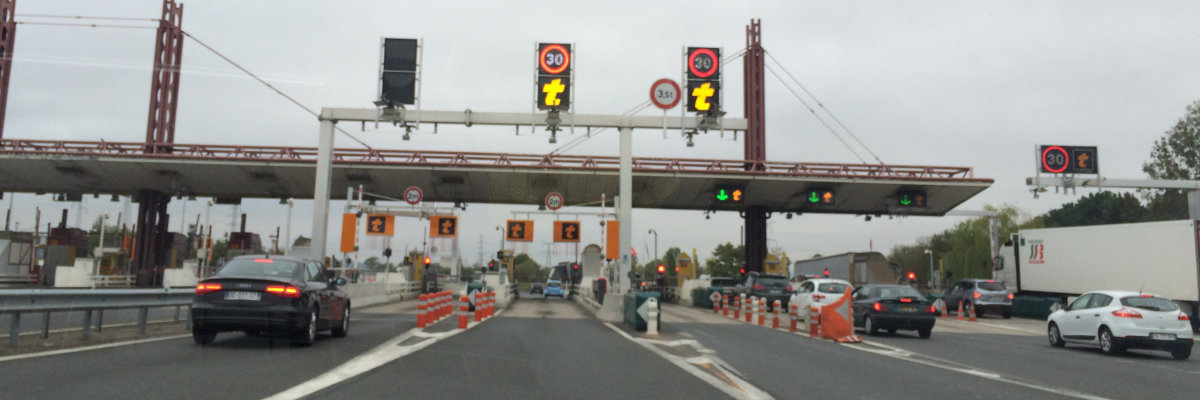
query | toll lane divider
(434,307)
(831,321)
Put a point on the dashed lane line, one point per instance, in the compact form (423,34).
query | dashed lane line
(730,383)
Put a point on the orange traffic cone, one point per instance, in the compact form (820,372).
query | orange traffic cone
(971,312)
(960,310)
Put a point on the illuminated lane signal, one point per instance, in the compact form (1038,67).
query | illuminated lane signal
(566,231)
(729,194)
(519,230)
(911,198)
(443,226)
(824,197)
(703,79)
(553,89)
(1068,159)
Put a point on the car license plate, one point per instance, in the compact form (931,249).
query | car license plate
(1162,336)
(254,296)
(908,309)
(776,291)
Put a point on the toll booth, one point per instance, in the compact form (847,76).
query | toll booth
(774,266)
(17,258)
(242,243)
(684,268)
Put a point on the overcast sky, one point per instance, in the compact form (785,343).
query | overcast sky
(953,83)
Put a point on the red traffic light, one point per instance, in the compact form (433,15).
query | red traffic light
(575,266)
(661,268)
(491,264)
(912,276)
(743,271)
(428,261)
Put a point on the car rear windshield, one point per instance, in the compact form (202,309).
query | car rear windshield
(772,281)
(832,288)
(896,292)
(993,286)
(555,284)
(723,282)
(1149,303)
(261,267)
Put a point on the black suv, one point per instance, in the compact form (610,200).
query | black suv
(768,286)
(985,294)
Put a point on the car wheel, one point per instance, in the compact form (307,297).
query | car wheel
(310,330)
(1054,335)
(1007,314)
(869,326)
(203,337)
(925,333)
(344,327)
(1181,353)
(1108,345)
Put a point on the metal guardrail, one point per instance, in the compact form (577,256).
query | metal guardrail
(112,280)
(18,302)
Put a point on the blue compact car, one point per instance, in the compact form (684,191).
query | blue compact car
(553,288)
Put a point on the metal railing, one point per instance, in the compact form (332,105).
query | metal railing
(91,302)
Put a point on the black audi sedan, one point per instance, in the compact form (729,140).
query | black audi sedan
(270,295)
(892,307)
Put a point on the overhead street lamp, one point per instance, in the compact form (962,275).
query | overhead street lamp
(501,229)
(655,244)
(930,253)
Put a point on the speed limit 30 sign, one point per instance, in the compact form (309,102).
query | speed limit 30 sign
(1068,159)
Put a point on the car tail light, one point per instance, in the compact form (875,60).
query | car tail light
(976,295)
(931,309)
(818,297)
(789,288)
(1010,296)
(1127,313)
(207,288)
(758,287)
(1147,296)
(264,260)
(880,307)
(285,291)
(906,300)
(991,281)
(1183,317)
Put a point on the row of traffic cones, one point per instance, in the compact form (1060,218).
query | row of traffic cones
(434,307)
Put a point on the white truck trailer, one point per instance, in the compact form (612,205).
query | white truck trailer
(1155,257)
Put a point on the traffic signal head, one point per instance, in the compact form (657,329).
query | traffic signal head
(428,261)
(492,264)
(387,253)
(662,269)
(742,271)
(912,276)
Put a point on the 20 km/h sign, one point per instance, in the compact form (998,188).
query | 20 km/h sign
(664,93)
(1068,159)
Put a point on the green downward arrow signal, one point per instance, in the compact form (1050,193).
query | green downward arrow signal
(904,200)
(812,197)
(722,196)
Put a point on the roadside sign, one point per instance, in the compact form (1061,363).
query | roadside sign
(703,86)
(412,195)
(554,200)
(381,225)
(553,80)
(443,226)
(664,93)
(349,231)
(1068,159)
(566,231)
(519,230)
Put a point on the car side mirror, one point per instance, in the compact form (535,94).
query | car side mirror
(339,281)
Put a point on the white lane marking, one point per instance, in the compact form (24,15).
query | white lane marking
(739,389)
(389,351)
(901,354)
(88,348)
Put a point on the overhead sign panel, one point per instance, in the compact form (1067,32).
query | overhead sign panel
(566,231)
(443,226)
(729,194)
(381,225)
(911,198)
(398,72)
(820,197)
(703,79)
(1068,159)
(553,90)
(519,230)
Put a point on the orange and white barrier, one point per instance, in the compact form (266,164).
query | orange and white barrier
(960,311)
(737,306)
(749,311)
(793,313)
(836,322)
(716,300)
(775,319)
(725,304)
(464,307)
(814,322)
(762,311)
(971,312)
(421,317)
(941,307)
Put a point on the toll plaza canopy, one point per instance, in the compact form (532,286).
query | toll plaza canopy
(228,171)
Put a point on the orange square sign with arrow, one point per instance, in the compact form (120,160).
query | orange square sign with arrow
(519,230)
(381,225)
(566,231)
(443,226)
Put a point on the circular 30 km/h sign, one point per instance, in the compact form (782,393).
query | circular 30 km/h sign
(703,63)
(554,201)
(412,195)
(1055,159)
(664,93)
(554,59)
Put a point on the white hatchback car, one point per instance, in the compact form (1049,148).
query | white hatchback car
(1116,321)
(818,292)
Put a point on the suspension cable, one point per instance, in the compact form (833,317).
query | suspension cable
(814,113)
(85,25)
(822,106)
(86,17)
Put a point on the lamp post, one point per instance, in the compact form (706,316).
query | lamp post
(930,253)
(655,244)
(501,229)
(98,258)
(287,232)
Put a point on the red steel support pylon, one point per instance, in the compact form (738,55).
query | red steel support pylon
(164,85)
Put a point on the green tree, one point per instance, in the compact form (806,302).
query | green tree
(726,260)
(527,270)
(965,249)
(1098,208)
(1176,155)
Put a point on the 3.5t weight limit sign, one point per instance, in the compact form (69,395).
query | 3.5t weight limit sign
(1068,159)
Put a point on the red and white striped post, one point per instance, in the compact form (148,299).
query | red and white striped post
(421,319)
(478,306)
(716,300)
(464,306)
(749,311)
(775,319)
(762,312)
(814,322)
(725,304)
(737,306)
(794,312)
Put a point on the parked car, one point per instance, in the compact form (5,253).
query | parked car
(818,292)
(535,288)
(726,284)
(987,295)
(768,286)
(1117,321)
(273,295)
(892,308)
(553,288)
